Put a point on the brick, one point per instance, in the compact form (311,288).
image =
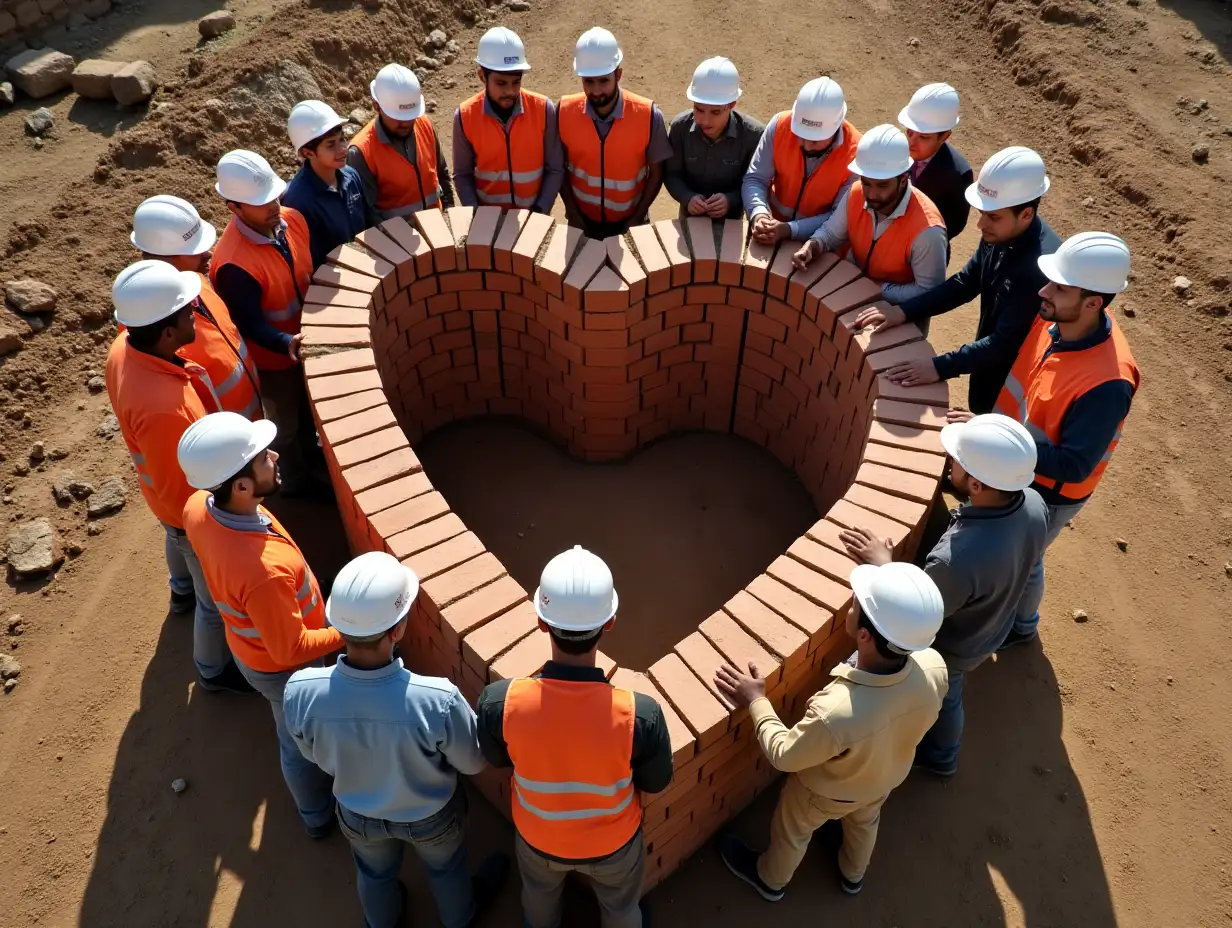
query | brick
(870,341)
(914,414)
(347,405)
(410,240)
(422,537)
(621,257)
(757,262)
(513,221)
(340,362)
(606,293)
(480,606)
(816,586)
(898,482)
(484,645)
(550,270)
(481,236)
(739,647)
(332,296)
(408,514)
(584,270)
(683,742)
(463,280)
(919,462)
(364,423)
(910,437)
(523,253)
(324,388)
(774,632)
(433,227)
(460,218)
(823,554)
(382,497)
(801,283)
(704,660)
(810,618)
(703,713)
(352,258)
(379,243)
(933,394)
(702,244)
(859,292)
(523,659)
(731,252)
(316,314)
(382,470)
(650,252)
(344,279)
(847,514)
(471,575)
(341,336)
(913,351)
(676,247)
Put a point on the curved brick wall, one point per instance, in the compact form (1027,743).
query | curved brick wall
(605,346)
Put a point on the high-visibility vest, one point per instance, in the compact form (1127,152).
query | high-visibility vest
(154,401)
(608,175)
(572,746)
(888,259)
(507,154)
(220,350)
(1043,384)
(282,286)
(794,194)
(402,187)
(269,599)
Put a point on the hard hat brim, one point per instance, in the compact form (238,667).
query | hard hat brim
(905,120)
(190,289)
(300,143)
(1052,270)
(577,628)
(815,135)
(988,204)
(205,240)
(861,581)
(878,174)
(694,98)
(596,72)
(272,193)
(949,441)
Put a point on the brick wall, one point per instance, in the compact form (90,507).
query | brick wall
(605,346)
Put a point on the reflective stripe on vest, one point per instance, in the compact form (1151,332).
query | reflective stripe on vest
(222,352)
(403,187)
(139,463)
(599,167)
(563,789)
(887,258)
(509,156)
(795,194)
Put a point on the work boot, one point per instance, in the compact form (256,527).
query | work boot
(741,860)
(1016,638)
(229,681)
(850,887)
(928,766)
(487,882)
(183,603)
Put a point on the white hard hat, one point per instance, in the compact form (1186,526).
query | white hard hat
(1095,261)
(150,290)
(370,595)
(501,49)
(165,225)
(933,108)
(901,601)
(575,592)
(246,177)
(996,450)
(597,53)
(217,447)
(715,83)
(311,119)
(883,152)
(819,110)
(396,91)
(1011,177)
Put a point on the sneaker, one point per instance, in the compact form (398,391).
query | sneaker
(741,860)
(1016,638)
(937,770)
(183,603)
(850,887)
(229,681)
(487,882)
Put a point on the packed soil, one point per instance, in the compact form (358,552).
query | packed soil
(1094,787)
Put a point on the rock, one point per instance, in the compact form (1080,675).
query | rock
(21,469)
(913,42)
(92,78)
(453,47)
(96,384)
(1129,312)
(39,122)
(430,106)
(108,427)
(40,72)
(1088,202)
(34,548)
(7,96)
(216,24)
(370,4)
(519,6)
(1079,615)
(74,549)
(38,144)
(1201,154)
(9,686)
(134,83)
(16,625)
(109,497)
(94,528)
(1181,285)
(1122,544)
(427,62)
(450,83)
(80,489)
(62,487)
(29,296)
(178,785)
(57,454)
(359,116)
(96,8)
(38,451)
(10,340)
(349,130)
(1227,570)
(436,39)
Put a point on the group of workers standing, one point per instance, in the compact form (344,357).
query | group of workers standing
(206,381)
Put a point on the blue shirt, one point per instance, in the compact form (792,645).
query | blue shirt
(335,215)
(393,741)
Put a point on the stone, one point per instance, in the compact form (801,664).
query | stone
(1227,570)
(519,6)
(29,296)
(34,548)
(97,8)
(108,427)
(359,116)
(1201,154)
(39,122)
(7,96)
(1129,312)
(913,42)
(1122,544)
(16,625)
(9,686)
(134,83)
(74,549)
(38,451)
(453,47)
(1079,615)
(9,667)
(1088,202)
(62,486)
(94,528)
(427,62)
(10,340)
(40,72)
(430,106)
(57,454)
(178,785)
(1181,285)
(437,38)
(96,384)
(109,497)
(216,23)
(92,78)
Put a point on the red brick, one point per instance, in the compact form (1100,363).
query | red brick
(340,362)
(627,266)
(933,394)
(913,414)
(467,280)
(363,423)
(523,659)
(901,510)
(910,437)
(703,713)
(897,482)
(774,632)
(409,514)
(759,362)
(731,252)
(702,244)
(479,607)
(606,293)
(334,315)
(354,259)
(481,235)
(810,618)
(704,660)
(584,269)
(661,340)
(827,560)
(739,647)
(482,646)
(348,405)
(919,462)
(382,497)
(330,276)
(332,296)
(410,240)
(422,537)
(676,247)
(367,447)
(658,269)
(461,580)
(535,230)
(847,514)
(513,222)
(599,338)
(433,227)
(816,586)
(445,556)
(551,268)
(683,742)
(802,282)
(383,469)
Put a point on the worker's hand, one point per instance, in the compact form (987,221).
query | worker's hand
(805,255)
(698,206)
(717,206)
(765,229)
(294,347)
(741,689)
(959,415)
(866,547)
(914,373)
(880,317)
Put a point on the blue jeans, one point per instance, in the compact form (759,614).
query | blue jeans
(940,745)
(377,846)
(210,651)
(1026,614)
(311,787)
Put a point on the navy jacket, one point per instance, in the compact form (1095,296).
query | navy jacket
(334,217)
(945,180)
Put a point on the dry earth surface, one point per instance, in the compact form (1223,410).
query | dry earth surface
(1095,781)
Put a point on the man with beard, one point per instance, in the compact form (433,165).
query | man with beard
(895,234)
(398,155)
(615,143)
(270,602)
(506,147)
(980,564)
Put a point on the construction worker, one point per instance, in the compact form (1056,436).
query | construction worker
(262,269)
(712,144)
(895,234)
(154,397)
(800,167)
(272,606)
(397,154)
(582,753)
(326,191)
(394,742)
(169,229)
(615,143)
(938,170)
(1071,386)
(506,145)
(1002,272)
(980,564)
(858,736)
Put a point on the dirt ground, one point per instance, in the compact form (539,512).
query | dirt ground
(1094,787)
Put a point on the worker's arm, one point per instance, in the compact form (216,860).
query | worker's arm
(273,609)
(460,743)
(806,226)
(553,162)
(355,159)
(1090,424)
(751,133)
(674,179)
(491,722)
(657,154)
(955,585)
(791,750)
(928,255)
(652,747)
(832,234)
(755,188)
(463,163)
(158,438)
(962,287)
(442,176)
(242,294)
(1015,314)
(293,714)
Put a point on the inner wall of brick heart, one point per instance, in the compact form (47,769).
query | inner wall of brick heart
(605,346)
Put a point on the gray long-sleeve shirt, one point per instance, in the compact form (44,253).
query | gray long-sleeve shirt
(553,156)
(702,167)
(928,251)
(410,151)
(755,188)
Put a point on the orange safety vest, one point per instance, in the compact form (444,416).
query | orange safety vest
(1043,384)
(795,194)
(607,182)
(504,157)
(269,600)
(282,288)
(888,258)
(154,402)
(572,746)
(220,350)
(402,187)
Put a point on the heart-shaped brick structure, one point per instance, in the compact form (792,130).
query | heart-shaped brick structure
(605,346)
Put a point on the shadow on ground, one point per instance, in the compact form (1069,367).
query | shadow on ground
(1212,18)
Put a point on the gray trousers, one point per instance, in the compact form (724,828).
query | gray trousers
(617,881)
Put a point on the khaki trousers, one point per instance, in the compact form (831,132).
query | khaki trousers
(800,813)
(617,881)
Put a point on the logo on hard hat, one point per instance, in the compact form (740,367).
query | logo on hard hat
(543,598)
(811,122)
(511,59)
(986,191)
(406,106)
(401,600)
(193,231)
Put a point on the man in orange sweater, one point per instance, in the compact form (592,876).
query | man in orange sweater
(270,602)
